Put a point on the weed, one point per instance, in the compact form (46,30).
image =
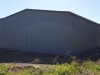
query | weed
(74,68)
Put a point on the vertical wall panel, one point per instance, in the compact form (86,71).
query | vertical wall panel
(49,29)
(83,34)
(48,32)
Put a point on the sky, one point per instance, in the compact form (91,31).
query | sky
(89,9)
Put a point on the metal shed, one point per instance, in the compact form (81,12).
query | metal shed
(44,31)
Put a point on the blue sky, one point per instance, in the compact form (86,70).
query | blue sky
(87,8)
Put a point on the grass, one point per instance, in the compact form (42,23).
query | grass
(74,68)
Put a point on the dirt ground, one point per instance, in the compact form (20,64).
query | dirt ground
(11,56)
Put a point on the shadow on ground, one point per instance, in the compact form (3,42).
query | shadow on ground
(11,56)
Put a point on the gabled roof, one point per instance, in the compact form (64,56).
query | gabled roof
(53,11)
(12,14)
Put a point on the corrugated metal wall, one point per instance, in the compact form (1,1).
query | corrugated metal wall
(37,31)
(82,34)
(48,32)
(11,31)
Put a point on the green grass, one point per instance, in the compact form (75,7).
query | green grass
(74,68)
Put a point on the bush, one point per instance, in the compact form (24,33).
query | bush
(74,68)
(4,68)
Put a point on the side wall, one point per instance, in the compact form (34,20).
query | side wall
(82,34)
(11,31)
(37,31)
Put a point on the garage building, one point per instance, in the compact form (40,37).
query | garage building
(45,31)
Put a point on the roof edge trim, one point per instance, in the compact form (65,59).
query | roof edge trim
(52,11)
(13,14)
